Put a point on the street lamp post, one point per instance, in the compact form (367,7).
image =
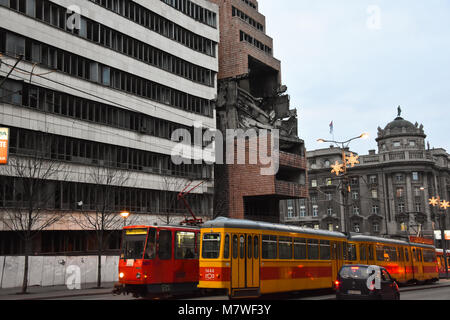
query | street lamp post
(124,215)
(340,169)
(443,206)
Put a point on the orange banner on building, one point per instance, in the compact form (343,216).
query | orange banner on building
(4,139)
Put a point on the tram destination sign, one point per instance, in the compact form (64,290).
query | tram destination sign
(4,144)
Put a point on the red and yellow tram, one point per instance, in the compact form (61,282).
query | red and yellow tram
(158,260)
(248,258)
(406,261)
(441,262)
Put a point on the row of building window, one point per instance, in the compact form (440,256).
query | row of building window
(87,69)
(26,142)
(63,195)
(59,103)
(150,20)
(238,13)
(250,4)
(258,44)
(65,242)
(51,101)
(110,38)
(194,11)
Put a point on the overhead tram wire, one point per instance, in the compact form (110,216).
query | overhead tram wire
(101,98)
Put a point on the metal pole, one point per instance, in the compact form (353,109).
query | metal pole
(444,244)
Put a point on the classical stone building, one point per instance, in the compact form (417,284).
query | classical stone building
(389,188)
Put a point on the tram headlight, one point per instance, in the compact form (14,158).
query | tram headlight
(138,275)
(121,275)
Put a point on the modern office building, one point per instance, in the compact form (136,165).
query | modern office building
(98,87)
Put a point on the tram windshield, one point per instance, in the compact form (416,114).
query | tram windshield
(133,243)
(211,246)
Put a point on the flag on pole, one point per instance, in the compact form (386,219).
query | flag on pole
(331,127)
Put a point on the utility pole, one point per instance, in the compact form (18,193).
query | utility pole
(340,169)
(443,205)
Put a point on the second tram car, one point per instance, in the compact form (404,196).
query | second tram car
(441,262)
(249,258)
(158,260)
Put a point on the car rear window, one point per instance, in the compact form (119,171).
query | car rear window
(354,272)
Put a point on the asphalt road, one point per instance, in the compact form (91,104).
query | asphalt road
(442,293)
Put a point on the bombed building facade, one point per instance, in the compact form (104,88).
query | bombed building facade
(251,98)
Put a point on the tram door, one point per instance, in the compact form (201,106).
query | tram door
(245,261)
(336,256)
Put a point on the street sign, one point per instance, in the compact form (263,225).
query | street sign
(4,139)
(437,234)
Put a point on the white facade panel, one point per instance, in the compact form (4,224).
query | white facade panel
(53,36)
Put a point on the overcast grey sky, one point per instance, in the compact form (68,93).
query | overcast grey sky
(354,61)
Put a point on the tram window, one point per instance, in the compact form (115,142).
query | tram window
(429,256)
(242,247)
(165,245)
(351,252)
(235,247)
(226,247)
(133,243)
(400,254)
(211,246)
(249,247)
(285,247)
(325,253)
(150,249)
(185,245)
(370,247)
(299,249)
(380,253)
(345,251)
(269,247)
(362,252)
(313,249)
(255,247)
(406,255)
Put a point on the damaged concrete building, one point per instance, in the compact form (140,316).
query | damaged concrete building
(251,97)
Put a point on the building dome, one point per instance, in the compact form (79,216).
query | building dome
(400,123)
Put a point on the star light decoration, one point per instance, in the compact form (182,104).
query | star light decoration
(445,204)
(338,167)
(434,201)
(352,160)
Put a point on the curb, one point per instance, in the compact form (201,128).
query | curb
(71,295)
(57,296)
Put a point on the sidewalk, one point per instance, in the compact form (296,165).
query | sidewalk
(38,292)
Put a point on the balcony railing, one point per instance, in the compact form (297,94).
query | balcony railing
(290,189)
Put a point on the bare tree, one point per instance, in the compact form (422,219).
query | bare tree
(33,185)
(171,206)
(101,214)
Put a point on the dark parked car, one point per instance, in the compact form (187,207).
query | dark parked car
(353,283)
